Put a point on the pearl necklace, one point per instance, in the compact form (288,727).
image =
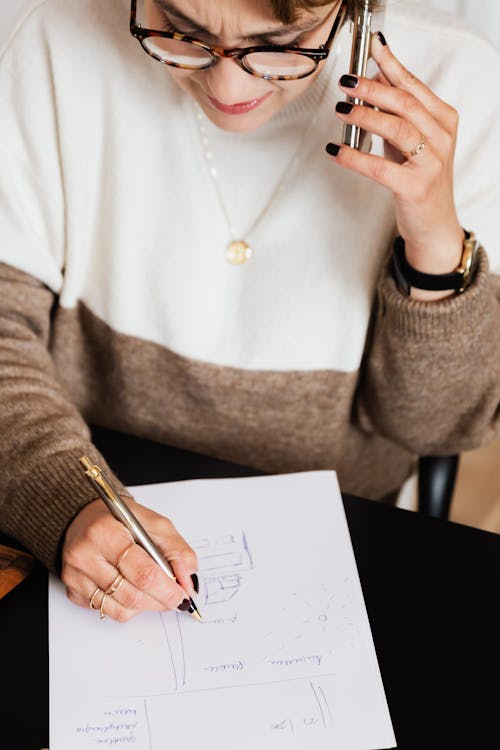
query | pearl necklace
(238,251)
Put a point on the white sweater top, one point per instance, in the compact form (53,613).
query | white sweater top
(118,308)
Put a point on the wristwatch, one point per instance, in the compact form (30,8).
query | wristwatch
(459,279)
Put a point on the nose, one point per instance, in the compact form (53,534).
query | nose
(228,83)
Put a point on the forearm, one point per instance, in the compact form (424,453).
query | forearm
(42,433)
(432,373)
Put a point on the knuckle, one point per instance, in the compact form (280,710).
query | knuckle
(186,556)
(72,596)
(410,103)
(344,156)
(132,599)
(446,144)
(403,132)
(379,170)
(190,559)
(363,116)
(407,78)
(453,116)
(435,166)
(370,88)
(166,527)
(122,615)
(145,576)
(74,557)
(65,573)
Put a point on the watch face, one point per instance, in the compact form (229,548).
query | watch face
(458,280)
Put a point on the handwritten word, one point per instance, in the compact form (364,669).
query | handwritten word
(287,725)
(121,712)
(110,733)
(129,739)
(221,620)
(236,666)
(294,660)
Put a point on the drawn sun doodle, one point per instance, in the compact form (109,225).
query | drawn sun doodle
(311,622)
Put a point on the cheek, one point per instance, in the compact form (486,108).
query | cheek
(186,79)
(290,90)
(152,17)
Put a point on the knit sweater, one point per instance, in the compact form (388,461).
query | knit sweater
(118,308)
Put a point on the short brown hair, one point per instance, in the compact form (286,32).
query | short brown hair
(286,10)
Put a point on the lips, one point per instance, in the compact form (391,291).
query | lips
(239,108)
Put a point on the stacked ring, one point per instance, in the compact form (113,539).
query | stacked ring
(91,602)
(115,585)
(112,589)
(123,555)
(415,151)
(102,616)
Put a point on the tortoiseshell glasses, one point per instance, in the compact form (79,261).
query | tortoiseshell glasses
(272,62)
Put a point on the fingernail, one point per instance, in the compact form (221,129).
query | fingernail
(344,108)
(349,81)
(332,149)
(382,38)
(196,583)
(184,605)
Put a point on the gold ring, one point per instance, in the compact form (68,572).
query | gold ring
(102,616)
(415,151)
(91,602)
(123,555)
(115,585)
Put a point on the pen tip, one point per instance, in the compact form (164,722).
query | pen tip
(197,615)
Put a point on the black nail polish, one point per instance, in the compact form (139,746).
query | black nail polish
(332,149)
(185,605)
(349,81)
(196,583)
(345,108)
(382,38)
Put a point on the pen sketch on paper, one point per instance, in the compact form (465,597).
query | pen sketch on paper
(279,659)
(221,562)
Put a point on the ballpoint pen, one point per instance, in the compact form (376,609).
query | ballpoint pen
(123,514)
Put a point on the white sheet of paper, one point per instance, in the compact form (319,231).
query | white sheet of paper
(284,658)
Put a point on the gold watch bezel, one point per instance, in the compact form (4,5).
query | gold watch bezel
(467,260)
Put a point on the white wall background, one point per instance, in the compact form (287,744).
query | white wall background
(484,14)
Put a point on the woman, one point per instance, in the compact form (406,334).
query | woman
(182,259)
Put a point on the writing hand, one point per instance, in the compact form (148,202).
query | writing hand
(94,543)
(407,113)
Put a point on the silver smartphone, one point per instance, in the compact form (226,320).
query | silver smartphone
(362,25)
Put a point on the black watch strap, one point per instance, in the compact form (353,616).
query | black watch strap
(407,276)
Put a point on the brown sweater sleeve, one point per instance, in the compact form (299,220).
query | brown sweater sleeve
(431,376)
(42,486)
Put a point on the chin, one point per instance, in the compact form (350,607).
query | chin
(236,123)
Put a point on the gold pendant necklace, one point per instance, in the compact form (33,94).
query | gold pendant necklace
(238,251)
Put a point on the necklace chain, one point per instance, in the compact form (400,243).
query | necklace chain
(238,251)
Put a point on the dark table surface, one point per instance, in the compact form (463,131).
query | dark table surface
(432,591)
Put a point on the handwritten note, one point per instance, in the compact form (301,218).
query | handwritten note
(283,658)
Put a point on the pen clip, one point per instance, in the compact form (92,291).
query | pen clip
(95,474)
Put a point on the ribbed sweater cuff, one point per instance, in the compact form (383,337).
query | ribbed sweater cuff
(434,321)
(47,500)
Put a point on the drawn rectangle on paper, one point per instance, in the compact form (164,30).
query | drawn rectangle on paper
(284,658)
(225,560)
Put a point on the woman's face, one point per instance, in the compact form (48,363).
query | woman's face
(229,96)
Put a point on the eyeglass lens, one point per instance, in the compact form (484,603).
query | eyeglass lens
(264,64)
